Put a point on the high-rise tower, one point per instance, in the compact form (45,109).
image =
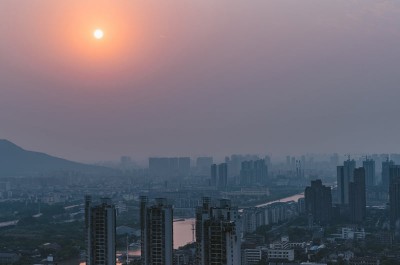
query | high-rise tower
(386,172)
(357,197)
(318,202)
(100,232)
(217,234)
(219,175)
(222,175)
(214,175)
(156,232)
(394,196)
(369,166)
(345,175)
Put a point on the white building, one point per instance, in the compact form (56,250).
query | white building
(312,263)
(249,220)
(281,254)
(351,233)
(251,256)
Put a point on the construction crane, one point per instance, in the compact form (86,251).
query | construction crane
(193,232)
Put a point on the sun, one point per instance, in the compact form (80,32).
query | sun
(98,34)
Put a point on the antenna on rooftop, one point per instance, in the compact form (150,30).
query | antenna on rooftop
(127,249)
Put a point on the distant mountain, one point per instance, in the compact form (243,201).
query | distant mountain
(15,161)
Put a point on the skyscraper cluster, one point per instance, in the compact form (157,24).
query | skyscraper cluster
(219,175)
(235,162)
(253,172)
(352,190)
(218,226)
(169,166)
(345,175)
(203,165)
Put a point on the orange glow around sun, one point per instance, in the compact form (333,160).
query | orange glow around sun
(104,34)
(99,40)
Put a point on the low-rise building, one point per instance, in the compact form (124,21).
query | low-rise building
(251,256)
(364,261)
(9,258)
(351,233)
(281,254)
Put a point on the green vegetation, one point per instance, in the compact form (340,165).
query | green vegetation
(11,210)
(31,233)
(66,238)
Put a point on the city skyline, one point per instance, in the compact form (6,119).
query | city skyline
(205,132)
(199,78)
(142,160)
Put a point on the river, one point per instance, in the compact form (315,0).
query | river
(183,233)
(295,198)
(183,229)
(9,223)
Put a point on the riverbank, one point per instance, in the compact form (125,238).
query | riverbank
(184,228)
(282,196)
(294,198)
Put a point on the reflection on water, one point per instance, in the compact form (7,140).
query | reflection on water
(295,198)
(183,234)
(9,223)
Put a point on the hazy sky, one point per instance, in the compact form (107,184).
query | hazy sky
(186,77)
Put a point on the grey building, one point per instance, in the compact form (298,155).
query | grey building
(357,197)
(345,175)
(156,221)
(100,229)
(169,166)
(386,173)
(214,175)
(219,175)
(395,158)
(9,258)
(369,166)
(234,163)
(253,172)
(318,202)
(203,165)
(394,196)
(217,234)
